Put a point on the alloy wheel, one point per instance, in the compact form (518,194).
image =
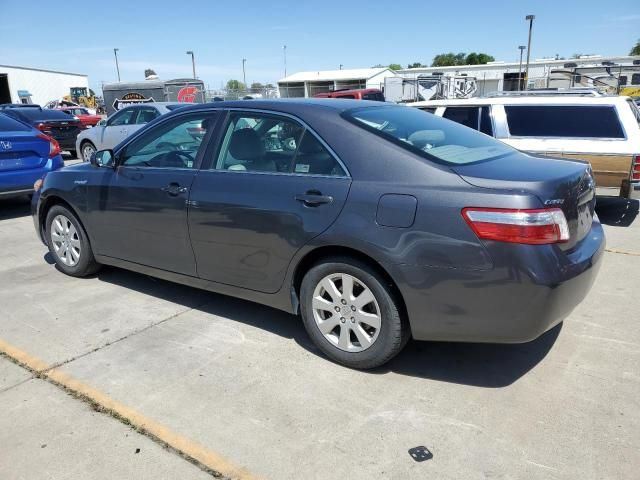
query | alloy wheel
(87,151)
(65,240)
(346,312)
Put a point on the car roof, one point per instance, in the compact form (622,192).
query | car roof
(523,100)
(293,105)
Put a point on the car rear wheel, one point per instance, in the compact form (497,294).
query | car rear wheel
(87,150)
(68,243)
(351,313)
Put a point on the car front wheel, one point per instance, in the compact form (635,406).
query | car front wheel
(351,313)
(68,243)
(88,149)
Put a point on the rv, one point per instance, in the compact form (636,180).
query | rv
(429,87)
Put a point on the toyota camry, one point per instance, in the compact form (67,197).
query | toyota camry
(375,222)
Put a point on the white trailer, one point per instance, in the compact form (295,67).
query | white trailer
(429,87)
(35,85)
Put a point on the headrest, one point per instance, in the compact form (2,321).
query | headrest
(422,138)
(246,145)
(309,145)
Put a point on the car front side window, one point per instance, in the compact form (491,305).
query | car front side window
(123,117)
(173,144)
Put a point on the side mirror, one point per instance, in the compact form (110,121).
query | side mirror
(103,158)
(102,123)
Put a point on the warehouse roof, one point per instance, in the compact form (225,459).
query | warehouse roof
(43,70)
(329,75)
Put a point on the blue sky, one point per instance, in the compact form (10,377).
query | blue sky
(319,35)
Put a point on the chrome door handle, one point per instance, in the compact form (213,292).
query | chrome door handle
(174,189)
(313,198)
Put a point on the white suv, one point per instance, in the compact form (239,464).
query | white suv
(605,131)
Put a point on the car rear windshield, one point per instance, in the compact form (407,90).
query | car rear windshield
(432,137)
(8,124)
(175,107)
(564,121)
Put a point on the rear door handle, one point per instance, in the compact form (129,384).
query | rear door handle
(313,198)
(174,189)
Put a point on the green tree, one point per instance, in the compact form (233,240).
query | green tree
(415,65)
(636,49)
(256,86)
(450,59)
(235,85)
(395,66)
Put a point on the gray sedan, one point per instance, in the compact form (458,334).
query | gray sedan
(111,131)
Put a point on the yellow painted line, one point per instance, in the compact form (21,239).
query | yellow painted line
(623,252)
(183,445)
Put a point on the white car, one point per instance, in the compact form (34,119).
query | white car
(111,131)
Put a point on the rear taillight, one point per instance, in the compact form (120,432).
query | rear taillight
(54,146)
(635,168)
(43,127)
(530,226)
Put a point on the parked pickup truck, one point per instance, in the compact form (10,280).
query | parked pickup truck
(603,130)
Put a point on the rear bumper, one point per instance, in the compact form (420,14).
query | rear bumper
(20,182)
(529,290)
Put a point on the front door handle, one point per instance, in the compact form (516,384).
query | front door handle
(174,189)
(313,198)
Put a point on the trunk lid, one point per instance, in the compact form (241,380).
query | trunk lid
(59,129)
(22,150)
(563,184)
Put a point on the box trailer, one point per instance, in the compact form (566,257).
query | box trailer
(121,94)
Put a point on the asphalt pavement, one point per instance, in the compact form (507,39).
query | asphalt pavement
(128,376)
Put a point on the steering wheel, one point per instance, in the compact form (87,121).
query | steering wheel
(177,158)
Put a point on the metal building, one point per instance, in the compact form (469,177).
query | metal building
(36,85)
(307,84)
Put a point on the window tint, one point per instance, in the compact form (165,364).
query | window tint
(268,143)
(8,124)
(635,79)
(124,117)
(566,121)
(485,121)
(467,116)
(428,135)
(145,115)
(376,96)
(345,96)
(622,80)
(36,114)
(174,144)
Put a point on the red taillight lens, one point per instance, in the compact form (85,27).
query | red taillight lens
(635,168)
(531,226)
(54,146)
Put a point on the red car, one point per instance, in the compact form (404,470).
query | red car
(83,115)
(357,94)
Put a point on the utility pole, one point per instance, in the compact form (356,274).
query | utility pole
(244,77)
(521,48)
(340,66)
(284,49)
(115,53)
(530,18)
(193,62)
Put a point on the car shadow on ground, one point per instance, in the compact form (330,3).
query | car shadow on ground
(484,365)
(17,207)
(617,211)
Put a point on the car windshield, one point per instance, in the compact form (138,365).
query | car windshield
(36,114)
(432,137)
(8,124)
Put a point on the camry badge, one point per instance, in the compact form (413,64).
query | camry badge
(555,201)
(6,145)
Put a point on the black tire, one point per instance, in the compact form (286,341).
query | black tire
(86,263)
(393,332)
(73,153)
(86,143)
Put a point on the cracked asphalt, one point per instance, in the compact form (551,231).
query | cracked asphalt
(243,384)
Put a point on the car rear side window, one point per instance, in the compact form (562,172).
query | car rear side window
(467,116)
(564,121)
(375,96)
(8,124)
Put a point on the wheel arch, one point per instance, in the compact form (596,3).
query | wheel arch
(321,253)
(49,203)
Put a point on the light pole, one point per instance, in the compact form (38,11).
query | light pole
(530,18)
(115,53)
(193,62)
(521,48)
(244,77)
(284,49)
(340,66)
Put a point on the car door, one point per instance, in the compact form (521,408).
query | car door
(119,127)
(270,187)
(139,209)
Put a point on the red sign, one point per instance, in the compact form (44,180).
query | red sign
(187,94)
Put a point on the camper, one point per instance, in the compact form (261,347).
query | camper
(436,86)
(122,94)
